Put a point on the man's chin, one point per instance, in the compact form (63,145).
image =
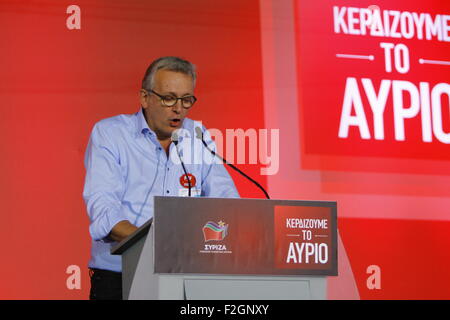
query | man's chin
(168,132)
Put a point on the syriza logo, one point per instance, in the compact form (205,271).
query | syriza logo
(213,234)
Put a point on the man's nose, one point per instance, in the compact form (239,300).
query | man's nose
(177,107)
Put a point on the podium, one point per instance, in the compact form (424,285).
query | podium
(231,249)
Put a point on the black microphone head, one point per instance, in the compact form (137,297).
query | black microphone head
(174,137)
(198,133)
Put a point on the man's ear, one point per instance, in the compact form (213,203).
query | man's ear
(143,98)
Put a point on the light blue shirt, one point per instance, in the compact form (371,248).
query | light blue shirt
(126,166)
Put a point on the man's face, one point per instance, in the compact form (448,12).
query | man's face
(161,119)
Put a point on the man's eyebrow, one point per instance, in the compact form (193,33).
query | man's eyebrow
(175,95)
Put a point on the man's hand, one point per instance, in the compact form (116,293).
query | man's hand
(122,230)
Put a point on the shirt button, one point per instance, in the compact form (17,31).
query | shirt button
(168,191)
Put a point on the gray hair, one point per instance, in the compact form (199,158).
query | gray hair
(168,63)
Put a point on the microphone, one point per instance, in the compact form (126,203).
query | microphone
(199,135)
(174,139)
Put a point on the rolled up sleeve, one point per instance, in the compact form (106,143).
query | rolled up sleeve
(217,182)
(104,184)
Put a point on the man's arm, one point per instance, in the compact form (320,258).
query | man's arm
(104,188)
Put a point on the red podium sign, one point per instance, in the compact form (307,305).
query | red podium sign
(303,237)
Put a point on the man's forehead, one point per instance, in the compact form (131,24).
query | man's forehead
(173,80)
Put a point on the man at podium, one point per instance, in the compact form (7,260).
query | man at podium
(131,158)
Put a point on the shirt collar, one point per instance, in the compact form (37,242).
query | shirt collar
(141,123)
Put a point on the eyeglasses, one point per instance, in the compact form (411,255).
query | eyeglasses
(170,101)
